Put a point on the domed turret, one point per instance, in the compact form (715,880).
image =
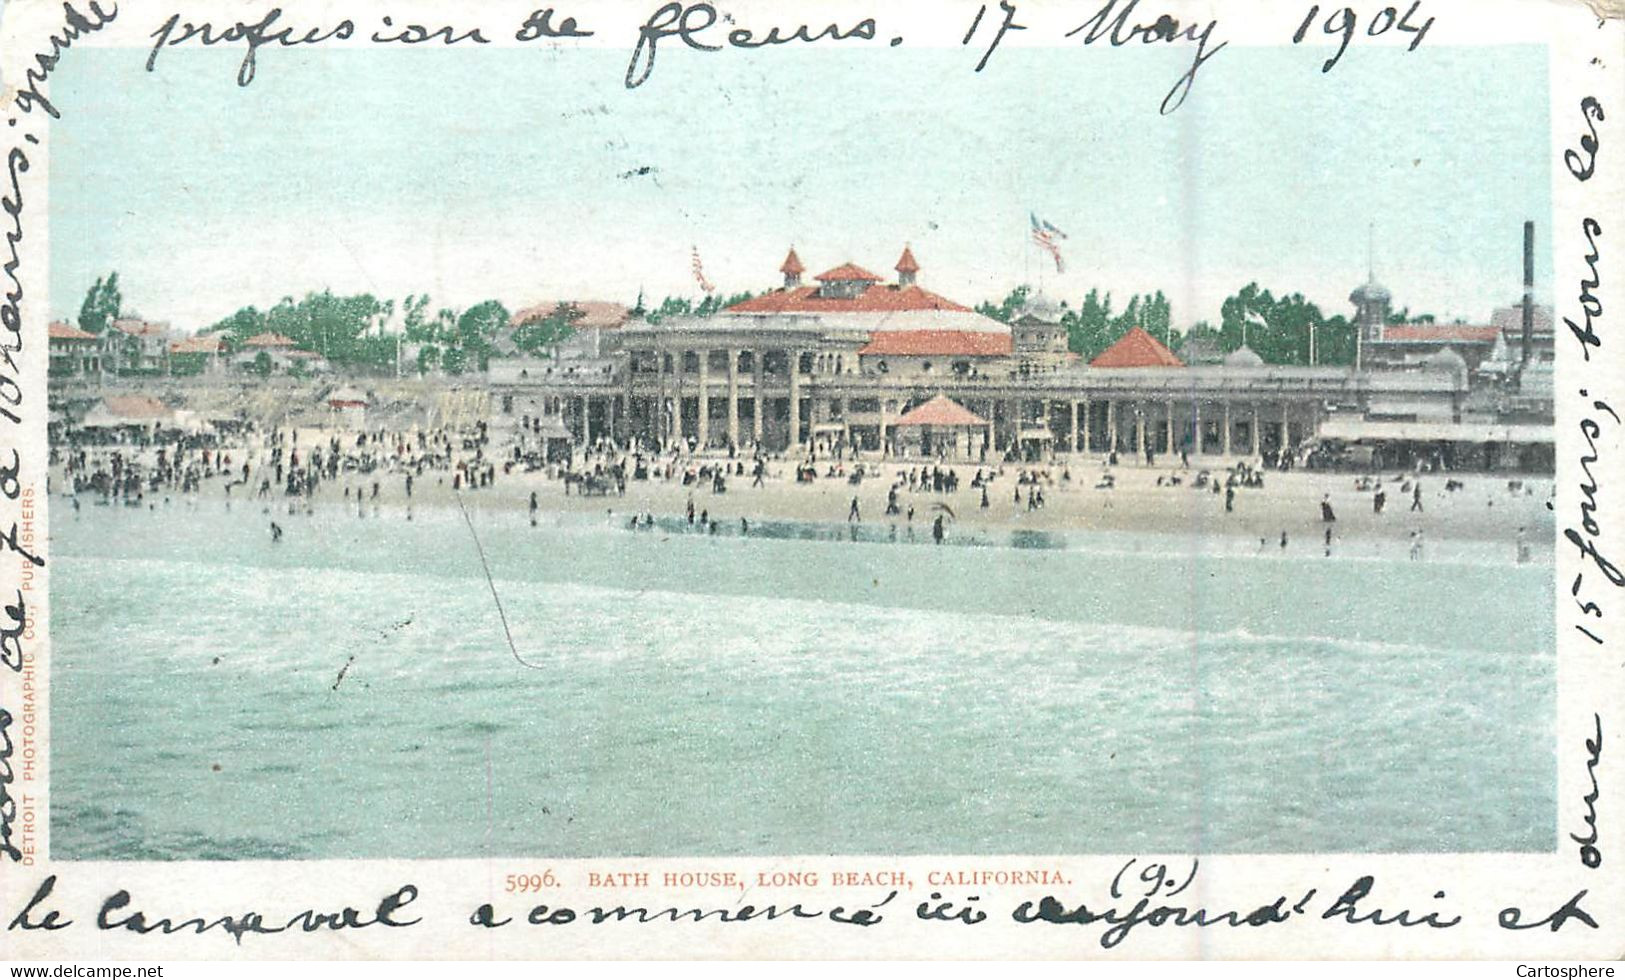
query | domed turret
(1243,356)
(1371,304)
(1370,292)
(1445,359)
(1038,308)
(1036,327)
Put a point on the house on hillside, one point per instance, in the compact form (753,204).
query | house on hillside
(73,352)
(137,346)
(281,354)
(203,354)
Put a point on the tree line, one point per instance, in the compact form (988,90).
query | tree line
(1277,327)
(348,330)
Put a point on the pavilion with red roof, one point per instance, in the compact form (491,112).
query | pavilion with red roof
(1137,349)
(941,426)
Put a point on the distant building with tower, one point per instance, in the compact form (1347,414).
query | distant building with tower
(852,362)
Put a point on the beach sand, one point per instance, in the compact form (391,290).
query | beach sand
(1483,509)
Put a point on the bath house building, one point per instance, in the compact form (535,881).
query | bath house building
(845,358)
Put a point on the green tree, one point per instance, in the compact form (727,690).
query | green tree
(1006,309)
(1400,317)
(1201,331)
(101,306)
(534,336)
(428,358)
(1157,316)
(454,360)
(477,327)
(262,364)
(337,327)
(415,319)
(669,307)
(1089,330)
(1278,328)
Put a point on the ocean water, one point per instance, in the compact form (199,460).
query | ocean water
(793,691)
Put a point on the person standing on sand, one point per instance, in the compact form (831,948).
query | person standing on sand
(936,529)
(1416,496)
(1379,500)
(1283,540)
(852,514)
(1416,545)
(533,508)
(984,496)
(691,512)
(1326,515)
(1229,499)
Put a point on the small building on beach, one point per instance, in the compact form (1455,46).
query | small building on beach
(941,428)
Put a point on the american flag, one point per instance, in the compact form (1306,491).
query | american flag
(1044,236)
(699,272)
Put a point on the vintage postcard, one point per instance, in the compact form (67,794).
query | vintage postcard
(1116,478)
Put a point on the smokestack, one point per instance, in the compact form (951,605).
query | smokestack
(1528,292)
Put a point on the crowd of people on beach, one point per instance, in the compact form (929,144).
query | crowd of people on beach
(294,468)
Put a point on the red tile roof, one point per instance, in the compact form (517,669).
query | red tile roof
(1439,333)
(847,273)
(268,340)
(941,343)
(907,262)
(1136,349)
(60,330)
(138,328)
(196,345)
(941,411)
(792,264)
(595,314)
(876,299)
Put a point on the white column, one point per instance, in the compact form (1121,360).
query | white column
(703,424)
(657,405)
(795,400)
(1227,428)
(733,397)
(756,396)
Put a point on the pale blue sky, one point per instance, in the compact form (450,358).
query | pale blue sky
(473,174)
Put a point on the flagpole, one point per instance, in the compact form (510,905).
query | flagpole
(1027,258)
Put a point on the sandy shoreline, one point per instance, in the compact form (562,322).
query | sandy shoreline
(1483,509)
